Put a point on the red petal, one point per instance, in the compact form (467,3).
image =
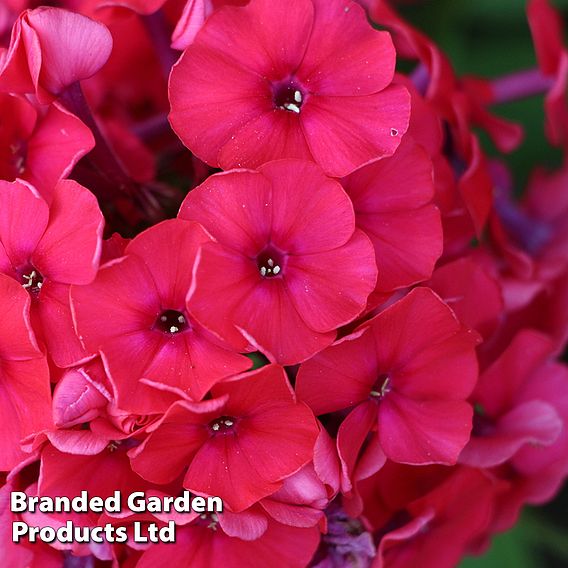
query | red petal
(345,55)
(330,289)
(298,216)
(70,249)
(350,439)
(423,432)
(235,207)
(345,133)
(25,403)
(340,376)
(169,250)
(23,219)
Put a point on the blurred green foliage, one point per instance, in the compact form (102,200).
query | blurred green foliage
(489,38)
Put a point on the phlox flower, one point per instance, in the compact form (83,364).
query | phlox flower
(289,265)
(50,50)
(240,445)
(406,375)
(134,315)
(305,79)
(46,248)
(25,397)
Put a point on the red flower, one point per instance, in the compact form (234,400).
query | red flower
(203,544)
(134,315)
(51,49)
(25,398)
(472,293)
(40,145)
(392,198)
(454,514)
(46,248)
(305,79)
(63,474)
(238,446)
(290,266)
(517,403)
(407,373)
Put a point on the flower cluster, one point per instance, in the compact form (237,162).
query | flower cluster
(242,255)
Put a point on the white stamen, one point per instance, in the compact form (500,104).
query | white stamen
(292,107)
(229,422)
(276,270)
(163,318)
(215,427)
(298,96)
(113,445)
(181,319)
(262,271)
(174,329)
(270,262)
(30,278)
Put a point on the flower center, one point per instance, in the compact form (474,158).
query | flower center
(270,263)
(17,159)
(222,425)
(381,387)
(209,520)
(32,281)
(289,96)
(172,321)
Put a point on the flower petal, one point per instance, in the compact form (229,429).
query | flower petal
(345,133)
(420,433)
(330,289)
(70,248)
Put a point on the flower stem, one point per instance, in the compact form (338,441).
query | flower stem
(108,177)
(157,27)
(520,85)
(102,156)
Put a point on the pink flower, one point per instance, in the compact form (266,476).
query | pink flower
(240,445)
(194,14)
(134,314)
(25,397)
(406,373)
(100,475)
(472,293)
(289,267)
(518,402)
(45,248)
(392,198)
(40,144)
(50,50)
(305,79)
(455,513)
(203,544)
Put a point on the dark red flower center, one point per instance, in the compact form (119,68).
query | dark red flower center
(483,425)
(222,425)
(16,160)
(208,520)
(172,321)
(381,387)
(270,263)
(32,281)
(289,95)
